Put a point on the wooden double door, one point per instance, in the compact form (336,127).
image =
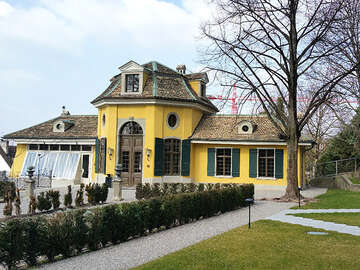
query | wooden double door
(131,158)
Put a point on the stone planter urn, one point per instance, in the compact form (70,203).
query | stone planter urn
(30,183)
(117,183)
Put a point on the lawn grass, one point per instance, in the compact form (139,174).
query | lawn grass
(335,199)
(355,180)
(352,219)
(267,245)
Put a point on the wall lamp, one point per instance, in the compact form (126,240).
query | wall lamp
(148,153)
(111,152)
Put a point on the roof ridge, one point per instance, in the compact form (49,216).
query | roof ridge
(158,63)
(53,119)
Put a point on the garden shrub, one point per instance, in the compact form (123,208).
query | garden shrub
(43,201)
(155,190)
(70,232)
(174,188)
(5,186)
(34,235)
(139,194)
(79,199)
(54,198)
(68,198)
(11,242)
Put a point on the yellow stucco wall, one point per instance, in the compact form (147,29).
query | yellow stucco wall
(199,159)
(155,117)
(18,160)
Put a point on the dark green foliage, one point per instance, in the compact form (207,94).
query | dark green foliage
(191,187)
(155,190)
(174,188)
(183,188)
(139,194)
(5,187)
(54,198)
(200,187)
(34,235)
(147,191)
(104,193)
(68,233)
(165,189)
(68,198)
(43,201)
(79,199)
(12,242)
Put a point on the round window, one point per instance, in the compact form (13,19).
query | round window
(103,120)
(58,126)
(245,128)
(172,120)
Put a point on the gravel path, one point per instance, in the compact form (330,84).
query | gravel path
(287,217)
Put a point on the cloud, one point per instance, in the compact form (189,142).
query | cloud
(69,25)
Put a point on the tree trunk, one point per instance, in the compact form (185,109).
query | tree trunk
(292,191)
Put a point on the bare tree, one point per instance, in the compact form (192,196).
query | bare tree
(320,128)
(269,48)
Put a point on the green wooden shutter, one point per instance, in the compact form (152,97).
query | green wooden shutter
(103,144)
(159,157)
(279,163)
(211,162)
(253,163)
(97,155)
(185,158)
(235,162)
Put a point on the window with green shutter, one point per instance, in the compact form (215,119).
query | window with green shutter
(235,162)
(211,162)
(159,157)
(279,163)
(185,158)
(97,155)
(253,163)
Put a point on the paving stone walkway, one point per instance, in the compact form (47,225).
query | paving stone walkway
(287,217)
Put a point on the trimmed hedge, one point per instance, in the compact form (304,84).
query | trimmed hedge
(147,191)
(68,233)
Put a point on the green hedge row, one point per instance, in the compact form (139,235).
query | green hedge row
(69,233)
(147,191)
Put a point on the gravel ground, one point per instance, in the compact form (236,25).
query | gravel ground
(141,250)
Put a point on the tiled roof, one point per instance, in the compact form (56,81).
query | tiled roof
(85,127)
(224,127)
(161,83)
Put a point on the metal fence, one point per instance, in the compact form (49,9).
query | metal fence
(336,167)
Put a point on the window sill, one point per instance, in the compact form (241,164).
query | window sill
(266,178)
(223,176)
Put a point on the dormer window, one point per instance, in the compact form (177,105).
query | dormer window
(132,83)
(246,127)
(202,89)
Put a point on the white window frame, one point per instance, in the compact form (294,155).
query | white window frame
(257,164)
(231,157)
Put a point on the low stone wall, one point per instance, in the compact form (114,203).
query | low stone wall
(341,181)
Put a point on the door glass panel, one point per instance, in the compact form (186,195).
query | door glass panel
(137,162)
(125,161)
(85,166)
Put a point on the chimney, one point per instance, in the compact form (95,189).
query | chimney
(64,111)
(181,69)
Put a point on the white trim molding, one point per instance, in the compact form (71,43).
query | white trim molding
(56,141)
(120,101)
(245,142)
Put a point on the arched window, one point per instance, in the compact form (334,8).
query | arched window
(172,156)
(131,128)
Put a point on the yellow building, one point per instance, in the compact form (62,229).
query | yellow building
(159,125)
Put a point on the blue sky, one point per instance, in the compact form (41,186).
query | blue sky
(63,52)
